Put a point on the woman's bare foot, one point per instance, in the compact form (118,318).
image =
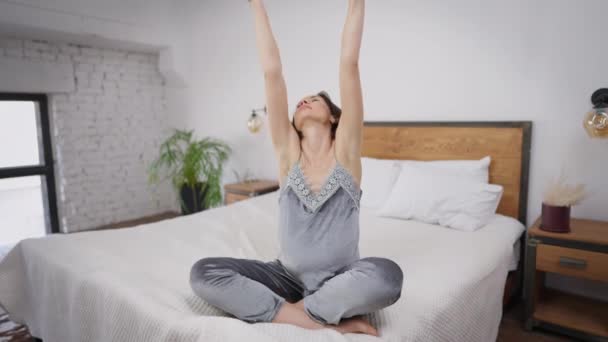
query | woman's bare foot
(356,325)
(292,314)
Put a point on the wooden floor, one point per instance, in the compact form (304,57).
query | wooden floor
(510,330)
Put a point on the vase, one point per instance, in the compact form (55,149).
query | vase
(192,198)
(555,219)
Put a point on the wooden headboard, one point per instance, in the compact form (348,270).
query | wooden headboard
(507,143)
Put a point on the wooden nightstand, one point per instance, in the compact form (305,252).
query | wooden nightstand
(240,191)
(581,253)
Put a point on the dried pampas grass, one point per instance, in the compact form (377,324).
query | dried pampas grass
(560,194)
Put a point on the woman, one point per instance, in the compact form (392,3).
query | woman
(318,280)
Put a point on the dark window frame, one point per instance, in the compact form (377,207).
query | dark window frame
(47,168)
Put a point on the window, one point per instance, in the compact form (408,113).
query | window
(28,206)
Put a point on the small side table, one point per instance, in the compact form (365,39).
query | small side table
(240,191)
(582,253)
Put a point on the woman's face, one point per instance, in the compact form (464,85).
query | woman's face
(312,108)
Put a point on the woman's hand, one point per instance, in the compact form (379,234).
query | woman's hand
(349,132)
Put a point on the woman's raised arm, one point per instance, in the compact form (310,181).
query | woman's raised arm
(348,133)
(281,130)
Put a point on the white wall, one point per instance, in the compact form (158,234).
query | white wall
(105,132)
(144,25)
(421,60)
(156,26)
(103,29)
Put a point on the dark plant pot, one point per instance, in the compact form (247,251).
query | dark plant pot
(192,198)
(555,219)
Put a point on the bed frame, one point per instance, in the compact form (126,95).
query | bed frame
(506,142)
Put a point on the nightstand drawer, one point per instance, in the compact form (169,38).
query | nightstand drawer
(572,262)
(244,190)
(231,198)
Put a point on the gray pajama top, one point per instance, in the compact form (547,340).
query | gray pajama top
(319,232)
(318,260)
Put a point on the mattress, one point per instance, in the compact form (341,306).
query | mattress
(132,284)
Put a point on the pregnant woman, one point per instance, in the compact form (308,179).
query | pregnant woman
(318,280)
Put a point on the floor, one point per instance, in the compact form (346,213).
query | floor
(510,330)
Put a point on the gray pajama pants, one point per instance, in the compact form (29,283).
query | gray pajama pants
(253,290)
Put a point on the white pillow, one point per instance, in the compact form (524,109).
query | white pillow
(377,179)
(379,175)
(472,169)
(441,197)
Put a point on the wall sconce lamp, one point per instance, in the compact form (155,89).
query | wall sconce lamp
(255,121)
(596,120)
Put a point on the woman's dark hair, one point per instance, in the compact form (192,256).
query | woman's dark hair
(334,110)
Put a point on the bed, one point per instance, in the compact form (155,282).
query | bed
(132,284)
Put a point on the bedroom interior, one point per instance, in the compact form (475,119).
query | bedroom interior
(472,112)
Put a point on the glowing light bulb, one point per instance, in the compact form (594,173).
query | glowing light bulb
(254,123)
(596,123)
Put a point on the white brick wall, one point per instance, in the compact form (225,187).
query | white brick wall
(105,134)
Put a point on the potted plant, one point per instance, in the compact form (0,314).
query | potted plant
(195,168)
(558,198)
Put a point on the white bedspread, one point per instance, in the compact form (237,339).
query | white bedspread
(132,284)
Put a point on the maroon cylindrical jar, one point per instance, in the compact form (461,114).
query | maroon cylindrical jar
(555,219)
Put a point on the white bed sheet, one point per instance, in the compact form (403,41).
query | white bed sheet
(132,284)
